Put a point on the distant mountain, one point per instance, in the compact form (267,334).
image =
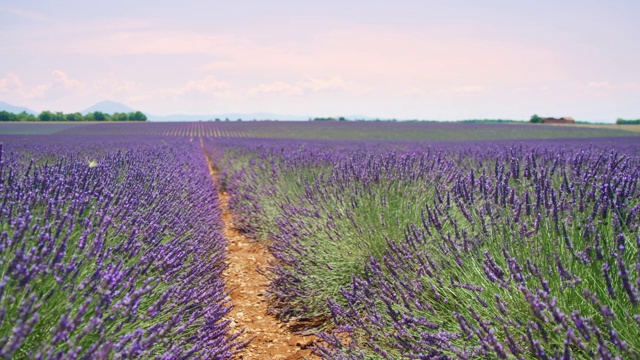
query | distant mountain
(108,107)
(15,109)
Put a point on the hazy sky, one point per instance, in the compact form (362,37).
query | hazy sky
(403,59)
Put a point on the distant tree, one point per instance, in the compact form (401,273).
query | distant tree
(58,116)
(119,117)
(239,119)
(342,118)
(226,119)
(535,119)
(45,116)
(98,116)
(620,121)
(7,116)
(217,119)
(50,116)
(137,116)
(73,117)
(24,116)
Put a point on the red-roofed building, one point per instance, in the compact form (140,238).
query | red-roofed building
(562,120)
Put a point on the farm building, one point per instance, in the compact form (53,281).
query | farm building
(562,120)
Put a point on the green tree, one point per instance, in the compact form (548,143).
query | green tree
(7,116)
(535,119)
(46,116)
(58,116)
(24,116)
(119,117)
(621,121)
(99,116)
(73,117)
(137,116)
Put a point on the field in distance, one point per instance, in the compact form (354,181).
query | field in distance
(388,131)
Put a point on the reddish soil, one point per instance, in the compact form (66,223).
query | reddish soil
(271,338)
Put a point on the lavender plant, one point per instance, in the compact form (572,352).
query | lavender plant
(523,251)
(112,250)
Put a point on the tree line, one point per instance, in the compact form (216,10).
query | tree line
(76,117)
(627,122)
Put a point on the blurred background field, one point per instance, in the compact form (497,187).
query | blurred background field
(391,131)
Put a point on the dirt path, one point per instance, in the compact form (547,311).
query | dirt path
(272,339)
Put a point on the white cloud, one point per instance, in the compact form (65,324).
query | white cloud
(112,87)
(469,89)
(600,85)
(277,87)
(61,79)
(10,84)
(607,85)
(13,86)
(606,88)
(60,86)
(306,86)
(154,42)
(29,15)
(208,85)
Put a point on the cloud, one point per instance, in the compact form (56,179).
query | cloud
(469,89)
(29,15)
(600,85)
(155,43)
(10,84)
(61,79)
(208,85)
(606,88)
(112,87)
(306,86)
(13,86)
(61,85)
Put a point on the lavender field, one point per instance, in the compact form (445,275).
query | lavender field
(391,241)
(451,250)
(110,249)
(345,131)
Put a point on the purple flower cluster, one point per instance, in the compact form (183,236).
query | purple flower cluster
(111,250)
(518,250)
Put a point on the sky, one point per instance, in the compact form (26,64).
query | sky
(403,59)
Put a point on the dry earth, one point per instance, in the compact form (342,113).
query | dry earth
(270,338)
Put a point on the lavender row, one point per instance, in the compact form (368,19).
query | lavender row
(386,131)
(514,250)
(111,250)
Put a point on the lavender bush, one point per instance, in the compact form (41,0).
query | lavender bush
(451,251)
(110,250)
